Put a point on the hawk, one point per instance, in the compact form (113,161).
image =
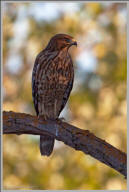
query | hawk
(52,82)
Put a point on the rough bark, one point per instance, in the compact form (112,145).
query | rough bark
(83,140)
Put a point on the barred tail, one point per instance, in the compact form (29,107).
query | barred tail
(46,145)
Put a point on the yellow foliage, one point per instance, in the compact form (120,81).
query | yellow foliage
(100,50)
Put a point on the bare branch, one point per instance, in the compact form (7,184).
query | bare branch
(83,140)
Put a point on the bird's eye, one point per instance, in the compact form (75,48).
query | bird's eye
(68,40)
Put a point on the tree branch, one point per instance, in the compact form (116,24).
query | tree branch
(83,140)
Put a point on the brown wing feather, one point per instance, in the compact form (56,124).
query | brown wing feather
(34,83)
(69,85)
(66,95)
(38,83)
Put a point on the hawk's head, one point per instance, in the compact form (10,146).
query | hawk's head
(61,41)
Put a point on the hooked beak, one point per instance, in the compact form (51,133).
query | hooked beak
(73,42)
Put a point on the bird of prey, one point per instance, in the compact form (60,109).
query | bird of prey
(52,82)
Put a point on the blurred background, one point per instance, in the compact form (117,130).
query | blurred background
(97,102)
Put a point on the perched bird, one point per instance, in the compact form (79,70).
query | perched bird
(52,81)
